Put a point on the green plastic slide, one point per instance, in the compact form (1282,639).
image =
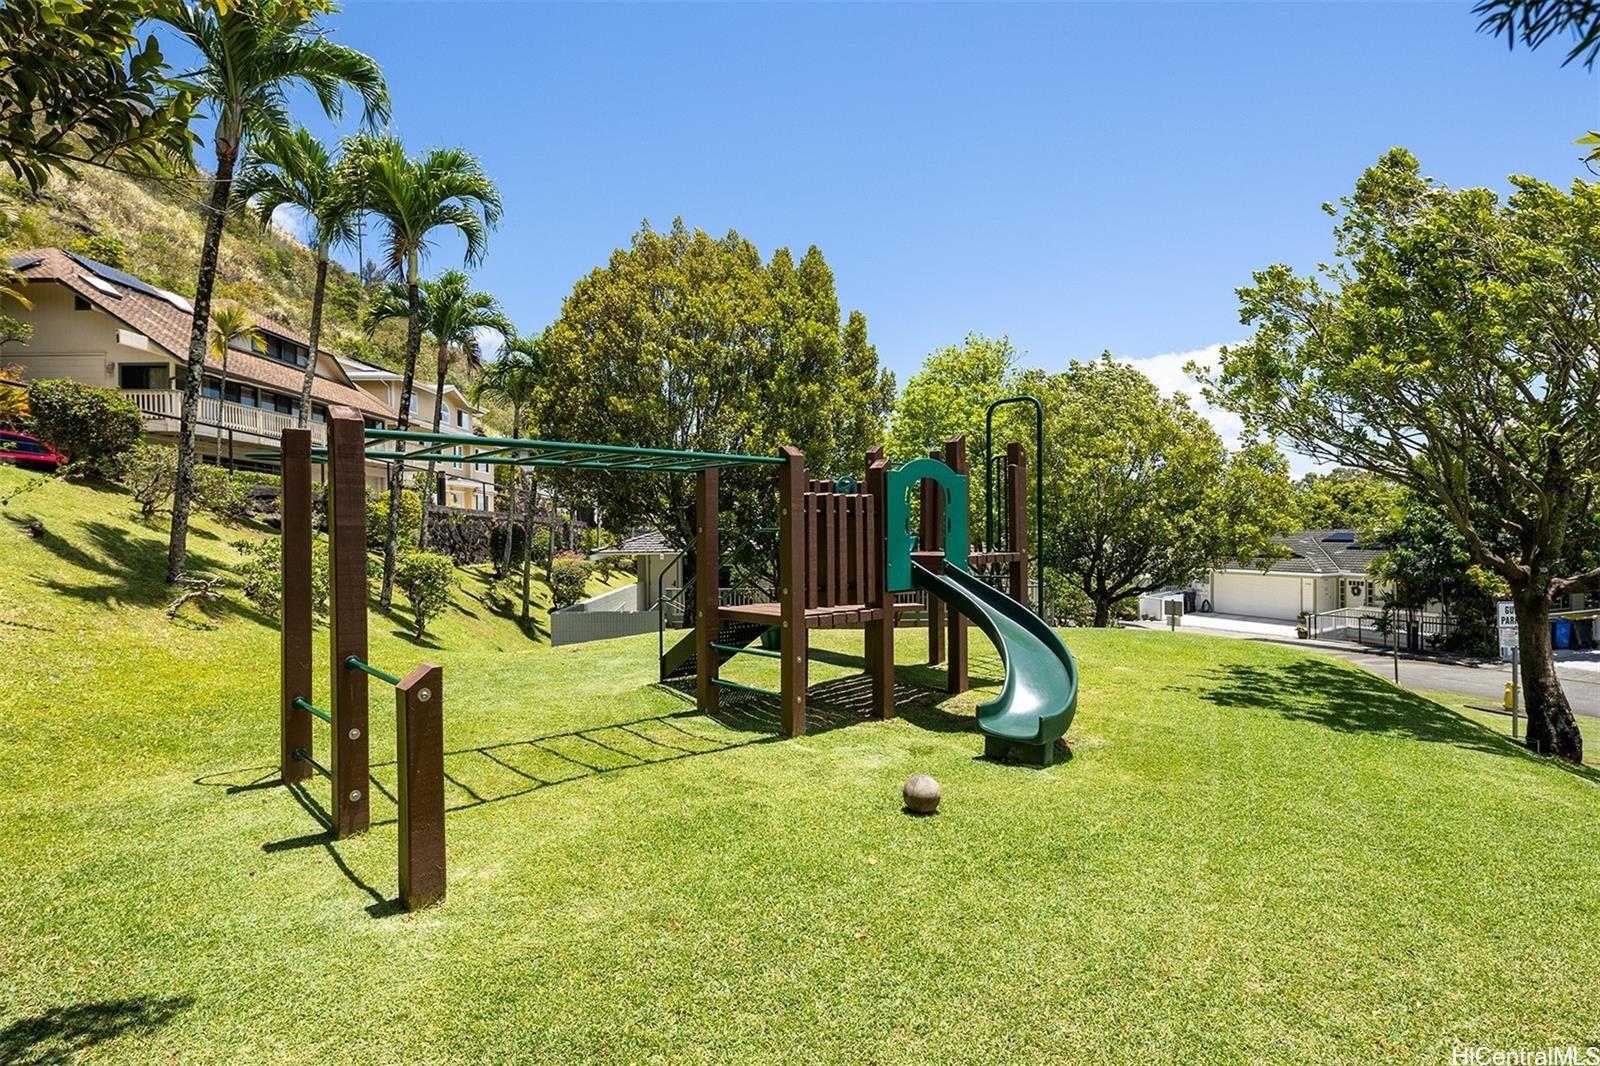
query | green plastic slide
(1040,695)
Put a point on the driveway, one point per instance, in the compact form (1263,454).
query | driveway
(1579,670)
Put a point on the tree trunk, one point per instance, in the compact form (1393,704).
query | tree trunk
(438,414)
(527,548)
(511,497)
(183,489)
(222,398)
(1102,614)
(1551,728)
(391,543)
(317,293)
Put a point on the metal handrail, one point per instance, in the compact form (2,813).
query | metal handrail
(353,663)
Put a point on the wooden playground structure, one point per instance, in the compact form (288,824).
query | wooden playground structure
(847,557)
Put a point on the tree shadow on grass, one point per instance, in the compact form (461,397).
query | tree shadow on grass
(64,1034)
(1348,700)
(133,570)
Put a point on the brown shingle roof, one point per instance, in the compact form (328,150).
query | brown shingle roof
(168,326)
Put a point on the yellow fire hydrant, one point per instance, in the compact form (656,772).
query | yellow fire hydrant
(1510,697)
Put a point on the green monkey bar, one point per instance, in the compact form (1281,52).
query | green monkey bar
(405,445)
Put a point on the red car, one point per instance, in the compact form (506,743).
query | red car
(30,453)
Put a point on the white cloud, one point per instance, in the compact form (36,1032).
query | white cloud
(489,343)
(1168,373)
(292,221)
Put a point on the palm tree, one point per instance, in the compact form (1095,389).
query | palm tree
(445,188)
(297,171)
(251,54)
(513,379)
(230,325)
(452,314)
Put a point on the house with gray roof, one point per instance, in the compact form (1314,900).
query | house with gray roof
(1325,570)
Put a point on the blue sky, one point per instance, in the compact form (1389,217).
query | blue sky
(1077,176)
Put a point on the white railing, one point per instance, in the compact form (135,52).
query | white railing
(220,415)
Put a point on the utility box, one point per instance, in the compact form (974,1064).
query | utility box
(1172,608)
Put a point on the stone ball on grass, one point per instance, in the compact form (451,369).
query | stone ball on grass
(922,795)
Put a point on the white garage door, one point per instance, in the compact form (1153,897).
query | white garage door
(1260,595)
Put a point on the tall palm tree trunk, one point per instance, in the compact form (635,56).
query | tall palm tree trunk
(222,398)
(391,544)
(527,548)
(438,414)
(183,490)
(317,293)
(511,497)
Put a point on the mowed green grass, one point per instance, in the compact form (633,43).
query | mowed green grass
(1253,853)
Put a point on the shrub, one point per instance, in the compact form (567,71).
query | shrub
(150,474)
(13,398)
(223,494)
(94,427)
(569,578)
(103,248)
(426,578)
(378,518)
(262,574)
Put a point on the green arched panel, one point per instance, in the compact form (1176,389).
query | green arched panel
(898,519)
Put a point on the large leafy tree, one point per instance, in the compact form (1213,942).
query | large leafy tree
(689,341)
(452,313)
(950,396)
(1141,492)
(1451,347)
(297,171)
(250,54)
(414,197)
(79,88)
(1344,498)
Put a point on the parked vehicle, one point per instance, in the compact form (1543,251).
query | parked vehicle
(29,452)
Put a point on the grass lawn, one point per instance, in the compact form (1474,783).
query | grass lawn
(1253,852)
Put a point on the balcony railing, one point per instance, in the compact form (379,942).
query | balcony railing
(219,416)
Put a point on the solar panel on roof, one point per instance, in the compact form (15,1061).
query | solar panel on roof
(1342,536)
(113,274)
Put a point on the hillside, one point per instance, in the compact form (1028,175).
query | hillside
(1254,853)
(159,228)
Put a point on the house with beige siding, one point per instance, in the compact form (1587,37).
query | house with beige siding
(466,484)
(104,327)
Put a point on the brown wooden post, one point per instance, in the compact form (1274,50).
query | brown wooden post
(874,454)
(933,540)
(347,588)
(294,635)
(880,631)
(1017,518)
(793,640)
(707,582)
(955,457)
(419,759)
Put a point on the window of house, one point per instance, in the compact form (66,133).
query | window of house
(461,418)
(209,387)
(241,394)
(412,407)
(143,376)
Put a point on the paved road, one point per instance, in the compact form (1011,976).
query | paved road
(1487,682)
